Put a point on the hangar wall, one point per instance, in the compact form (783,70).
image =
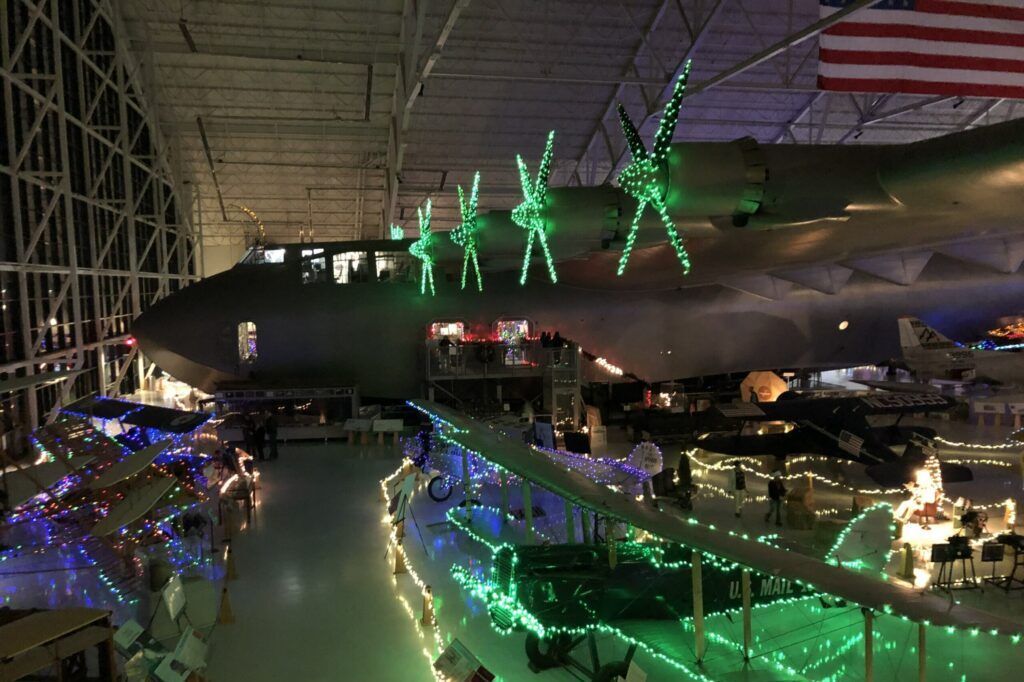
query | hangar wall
(94,224)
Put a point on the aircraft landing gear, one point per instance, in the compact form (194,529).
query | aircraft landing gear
(556,652)
(547,653)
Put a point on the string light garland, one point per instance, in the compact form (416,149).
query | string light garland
(397,233)
(465,235)
(609,367)
(423,249)
(529,215)
(508,613)
(646,177)
(395,544)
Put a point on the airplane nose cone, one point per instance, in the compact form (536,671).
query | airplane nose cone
(177,333)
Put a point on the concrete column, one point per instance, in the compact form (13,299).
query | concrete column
(869,646)
(747,638)
(922,656)
(466,483)
(528,511)
(570,524)
(698,606)
(503,475)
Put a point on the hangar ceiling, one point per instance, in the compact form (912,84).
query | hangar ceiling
(346,115)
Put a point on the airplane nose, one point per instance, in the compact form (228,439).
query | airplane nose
(175,333)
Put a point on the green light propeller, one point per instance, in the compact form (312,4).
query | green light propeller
(529,214)
(642,178)
(423,249)
(465,235)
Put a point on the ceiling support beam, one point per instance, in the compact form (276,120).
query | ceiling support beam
(408,87)
(778,48)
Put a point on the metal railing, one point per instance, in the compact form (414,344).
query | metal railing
(482,359)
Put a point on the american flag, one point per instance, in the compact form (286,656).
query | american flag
(928,47)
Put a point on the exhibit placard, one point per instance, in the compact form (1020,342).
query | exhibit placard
(457,664)
(174,597)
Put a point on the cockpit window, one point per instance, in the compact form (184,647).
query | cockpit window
(394,266)
(314,266)
(247,351)
(350,267)
(259,255)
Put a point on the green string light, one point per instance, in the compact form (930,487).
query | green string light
(529,214)
(465,235)
(423,249)
(642,178)
(397,232)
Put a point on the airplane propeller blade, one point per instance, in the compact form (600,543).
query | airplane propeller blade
(423,249)
(529,215)
(465,235)
(643,179)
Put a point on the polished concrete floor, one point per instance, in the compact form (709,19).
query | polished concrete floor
(314,599)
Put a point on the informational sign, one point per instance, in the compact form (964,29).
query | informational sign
(403,498)
(635,674)
(388,425)
(545,434)
(989,408)
(174,597)
(358,424)
(1016,408)
(457,664)
(647,457)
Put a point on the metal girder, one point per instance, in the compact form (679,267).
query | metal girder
(408,85)
(609,109)
(78,113)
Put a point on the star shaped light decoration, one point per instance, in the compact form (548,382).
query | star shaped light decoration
(423,249)
(465,235)
(645,178)
(529,215)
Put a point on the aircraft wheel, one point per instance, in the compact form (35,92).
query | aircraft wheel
(547,653)
(437,489)
(612,671)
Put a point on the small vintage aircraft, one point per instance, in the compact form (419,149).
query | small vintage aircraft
(839,427)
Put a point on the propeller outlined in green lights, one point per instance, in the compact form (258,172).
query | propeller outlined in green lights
(465,235)
(642,180)
(423,249)
(529,215)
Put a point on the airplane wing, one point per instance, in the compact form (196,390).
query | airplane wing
(830,408)
(131,465)
(854,587)
(134,506)
(24,483)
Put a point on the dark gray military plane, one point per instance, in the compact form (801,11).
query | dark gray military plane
(800,256)
(839,427)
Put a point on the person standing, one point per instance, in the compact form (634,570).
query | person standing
(259,439)
(249,434)
(270,425)
(738,486)
(776,494)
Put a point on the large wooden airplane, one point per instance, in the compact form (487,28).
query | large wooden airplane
(707,258)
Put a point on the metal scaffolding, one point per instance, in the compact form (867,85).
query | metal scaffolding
(94,224)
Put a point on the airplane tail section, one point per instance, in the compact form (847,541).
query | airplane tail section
(916,334)
(866,543)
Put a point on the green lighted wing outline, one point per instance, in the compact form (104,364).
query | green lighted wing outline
(465,235)
(529,215)
(423,249)
(640,178)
